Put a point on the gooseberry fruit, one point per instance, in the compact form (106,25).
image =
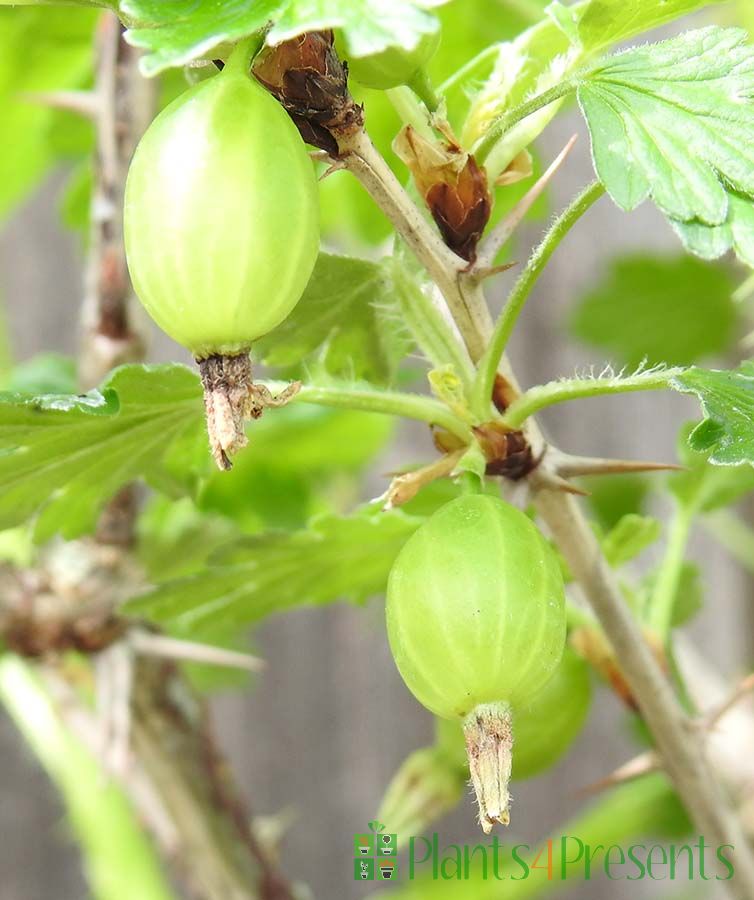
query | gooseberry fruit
(221,233)
(476,624)
(393,66)
(549,724)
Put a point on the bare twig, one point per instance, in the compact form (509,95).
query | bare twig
(640,765)
(159,645)
(123,105)
(743,689)
(678,741)
(82,103)
(180,786)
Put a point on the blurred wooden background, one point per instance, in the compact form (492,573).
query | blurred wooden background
(328,724)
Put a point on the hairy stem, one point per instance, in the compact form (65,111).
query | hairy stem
(490,362)
(392,403)
(545,395)
(660,614)
(361,157)
(425,313)
(497,130)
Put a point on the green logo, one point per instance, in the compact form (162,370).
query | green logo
(374,854)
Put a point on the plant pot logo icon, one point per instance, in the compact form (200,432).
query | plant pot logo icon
(363,845)
(387,869)
(370,851)
(363,869)
(387,844)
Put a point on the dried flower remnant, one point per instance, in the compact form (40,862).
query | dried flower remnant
(306,76)
(453,186)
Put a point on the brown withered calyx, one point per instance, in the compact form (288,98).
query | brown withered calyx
(453,186)
(307,78)
(507,452)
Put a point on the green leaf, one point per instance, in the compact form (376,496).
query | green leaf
(704,486)
(629,537)
(347,319)
(654,309)
(177,31)
(40,50)
(336,558)
(727,400)
(547,52)
(712,241)
(673,121)
(602,23)
(63,457)
(296,458)
(175,539)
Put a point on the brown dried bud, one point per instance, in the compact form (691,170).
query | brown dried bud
(309,80)
(454,188)
(507,452)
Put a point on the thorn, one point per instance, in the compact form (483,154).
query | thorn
(552,481)
(630,771)
(502,232)
(148,644)
(741,690)
(568,466)
(83,103)
(331,170)
(270,830)
(320,156)
(486,272)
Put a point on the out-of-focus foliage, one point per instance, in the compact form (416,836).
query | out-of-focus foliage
(304,462)
(613,498)
(658,310)
(41,50)
(335,558)
(120,862)
(629,537)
